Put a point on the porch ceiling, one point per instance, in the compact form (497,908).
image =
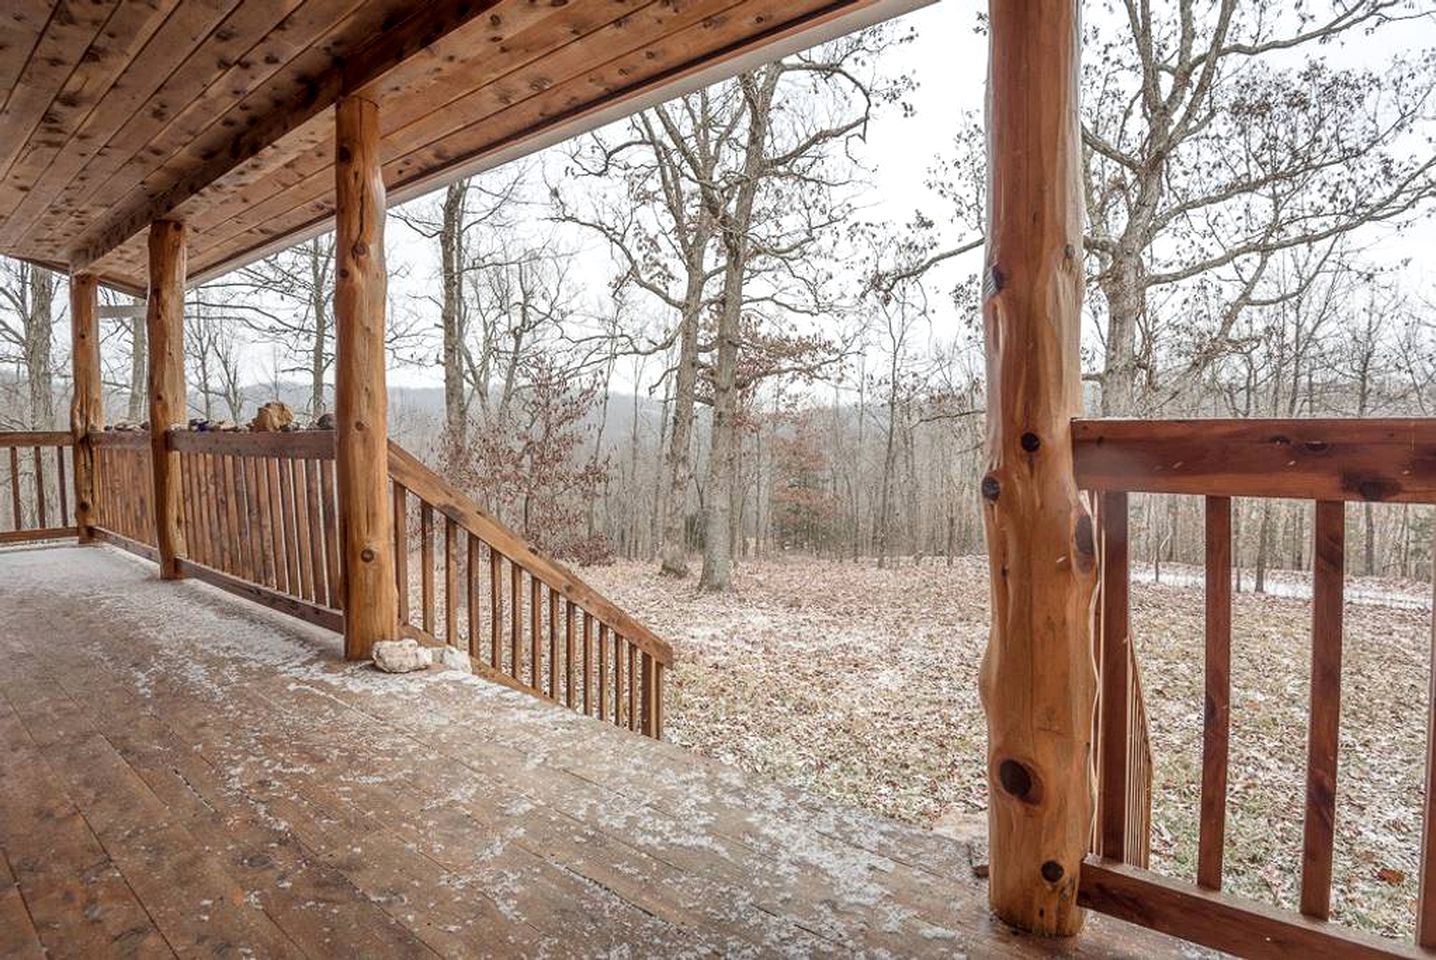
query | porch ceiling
(120,112)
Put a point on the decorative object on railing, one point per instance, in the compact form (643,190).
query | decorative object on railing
(525,620)
(37,499)
(124,491)
(260,518)
(1327,462)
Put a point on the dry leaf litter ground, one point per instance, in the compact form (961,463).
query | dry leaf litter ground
(861,684)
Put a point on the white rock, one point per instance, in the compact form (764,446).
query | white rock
(452,658)
(400,656)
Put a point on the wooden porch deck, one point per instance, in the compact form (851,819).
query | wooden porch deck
(188,774)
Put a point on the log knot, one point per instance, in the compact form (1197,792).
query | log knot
(991,488)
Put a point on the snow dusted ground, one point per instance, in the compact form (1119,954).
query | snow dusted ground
(861,684)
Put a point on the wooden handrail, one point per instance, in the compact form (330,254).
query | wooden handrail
(1387,460)
(35,493)
(428,486)
(35,438)
(1327,462)
(120,439)
(301,444)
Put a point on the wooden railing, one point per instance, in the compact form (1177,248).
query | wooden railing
(260,518)
(260,521)
(1325,461)
(524,619)
(124,491)
(36,500)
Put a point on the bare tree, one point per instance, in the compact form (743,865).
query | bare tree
(26,333)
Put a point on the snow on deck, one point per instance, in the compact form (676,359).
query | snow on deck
(186,773)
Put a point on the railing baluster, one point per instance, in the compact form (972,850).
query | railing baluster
(1318,833)
(1426,898)
(302,527)
(275,485)
(587,659)
(239,492)
(618,645)
(1115,716)
(18,519)
(43,517)
(64,489)
(264,528)
(315,532)
(331,533)
(516,613)
(471,577)
(496,608)
(1216,713)
(568,652)
(633,680)
(426,567)
(535,630)
(552,643)
(602,671)
(401,549)
(451,583)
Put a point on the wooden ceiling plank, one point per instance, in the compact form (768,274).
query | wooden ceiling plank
(651,40)
(426,23)
(228,41)
(535,36)
(125,34)
(73,26)
(176,40)
(268,37)
(21,27)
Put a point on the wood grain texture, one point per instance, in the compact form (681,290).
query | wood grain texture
(1245,928)
(87,408)
(164,329)
(1319,826)
(1387,460)
(360,396)
(1038,678)
(1216,704)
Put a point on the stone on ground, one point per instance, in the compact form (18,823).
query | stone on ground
(400,656)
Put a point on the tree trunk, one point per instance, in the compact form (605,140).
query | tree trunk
(677,462)
(734,228)
(87,408)
(39,341)
(319,304)
(1038,679)
(139,353)
(451,255)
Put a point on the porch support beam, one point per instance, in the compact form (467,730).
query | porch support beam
(360,396)
(1038,679)
(87,409)
(164,326)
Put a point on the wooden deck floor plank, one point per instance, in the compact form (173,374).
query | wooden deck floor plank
(586,854)
(78,901)
(366,815)
(320,906)
(19,940)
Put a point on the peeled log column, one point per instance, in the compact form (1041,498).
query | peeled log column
(164,327)
(361,402)
(1038,676)
(87,411)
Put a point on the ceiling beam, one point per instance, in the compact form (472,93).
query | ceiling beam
(406,38)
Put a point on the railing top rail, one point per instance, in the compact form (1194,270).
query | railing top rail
(298,444)
(407,470)
(35,438)
(123,439)
(1390,460)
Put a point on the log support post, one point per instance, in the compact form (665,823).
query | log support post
(87,409)
(164,325)
(360,396)
(1038,678)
